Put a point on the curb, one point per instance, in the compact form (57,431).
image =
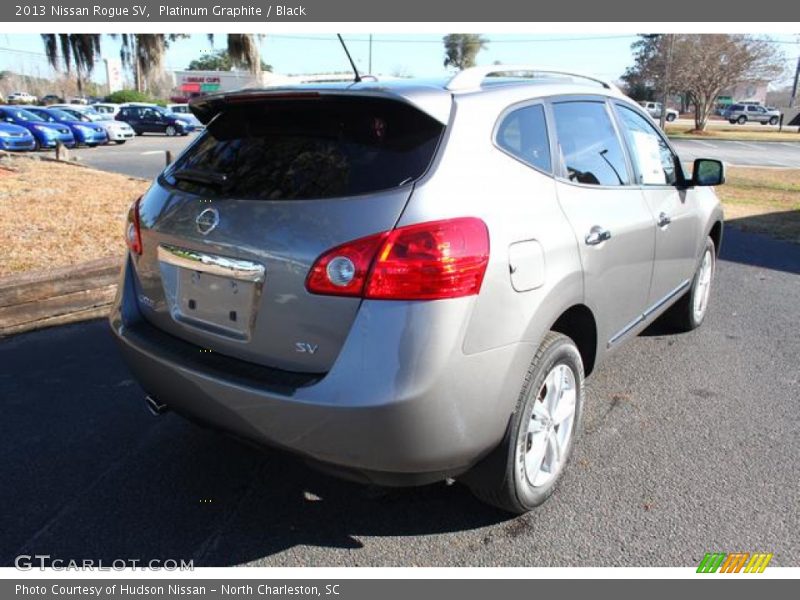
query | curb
(39,299)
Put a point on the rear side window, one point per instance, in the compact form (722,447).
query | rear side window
(523,134)
(306,149)
(652,156)
(590,149)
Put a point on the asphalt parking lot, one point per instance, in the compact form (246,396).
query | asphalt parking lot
(749,154)
(691,444)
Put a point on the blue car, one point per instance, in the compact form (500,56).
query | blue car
(86,134)
(45,135)
(14,137)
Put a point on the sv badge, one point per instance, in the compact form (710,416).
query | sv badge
(305,347)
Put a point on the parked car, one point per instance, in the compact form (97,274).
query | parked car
(106,108)
(15,138)
(654,109)
(51,99)
(21,98)
(179,109)
(46,135)
(117,131)
(410,282)
(183,112)
(152,119)
(86,134)
(741,113)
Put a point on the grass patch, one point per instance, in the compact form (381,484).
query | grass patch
(55,214)
(734,133)
(764,201)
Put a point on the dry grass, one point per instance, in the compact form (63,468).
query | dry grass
(54,214)
(763,200)
(733,132)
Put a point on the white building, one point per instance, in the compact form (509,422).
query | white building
(188,84)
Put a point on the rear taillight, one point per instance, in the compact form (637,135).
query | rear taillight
(133,233)
(428,261)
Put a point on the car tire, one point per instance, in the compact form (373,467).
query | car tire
(741,120)
(773,121)
(670,118)
(732,121)
(522,472)
(137,132)
(690,311)
(171,131)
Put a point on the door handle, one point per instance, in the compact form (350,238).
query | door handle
(664,220)
(597,235)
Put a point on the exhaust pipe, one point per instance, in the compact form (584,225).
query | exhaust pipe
(154,406)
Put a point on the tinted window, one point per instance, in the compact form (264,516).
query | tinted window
(316,148)
(590,150)
(523,133)
(654,161)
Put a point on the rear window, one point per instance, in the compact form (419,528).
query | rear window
(304,149)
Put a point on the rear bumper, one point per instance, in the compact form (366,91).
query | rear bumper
(374,416)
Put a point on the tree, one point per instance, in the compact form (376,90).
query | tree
(461,49)
(145,52)
(702,66)
(80,50)
(219,60)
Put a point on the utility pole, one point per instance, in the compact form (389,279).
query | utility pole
(369,68)
(667,68)
(794,87)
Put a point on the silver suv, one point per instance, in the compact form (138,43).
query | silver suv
(742,113)
(408,281)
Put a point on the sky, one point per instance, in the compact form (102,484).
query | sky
(419,55)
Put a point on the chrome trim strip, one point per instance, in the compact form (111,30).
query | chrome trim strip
(665,299)
(625,330)
(647,313)
(234,268)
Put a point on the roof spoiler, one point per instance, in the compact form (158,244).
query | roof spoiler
(205,108)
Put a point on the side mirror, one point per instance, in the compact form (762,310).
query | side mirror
(707,172)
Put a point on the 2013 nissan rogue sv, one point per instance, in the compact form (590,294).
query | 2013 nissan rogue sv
(409,281)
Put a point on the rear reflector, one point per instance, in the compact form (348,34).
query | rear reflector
(427,261)
(133,233)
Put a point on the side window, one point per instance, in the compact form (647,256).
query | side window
(651,155)
(523,134)
(590,150)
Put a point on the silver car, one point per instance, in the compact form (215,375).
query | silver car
(408,281)
(654,109)
(742,113)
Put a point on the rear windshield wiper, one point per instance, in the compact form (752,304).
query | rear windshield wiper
(198,176)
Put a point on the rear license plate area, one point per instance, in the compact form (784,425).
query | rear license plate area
(221,305)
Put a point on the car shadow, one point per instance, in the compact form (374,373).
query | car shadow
(744,242)
(89,474)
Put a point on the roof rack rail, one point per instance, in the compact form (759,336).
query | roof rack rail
(471,78)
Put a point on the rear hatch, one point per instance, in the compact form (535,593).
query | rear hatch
(231,229)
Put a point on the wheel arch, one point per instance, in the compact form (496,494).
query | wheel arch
(715,233)
(578,323)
